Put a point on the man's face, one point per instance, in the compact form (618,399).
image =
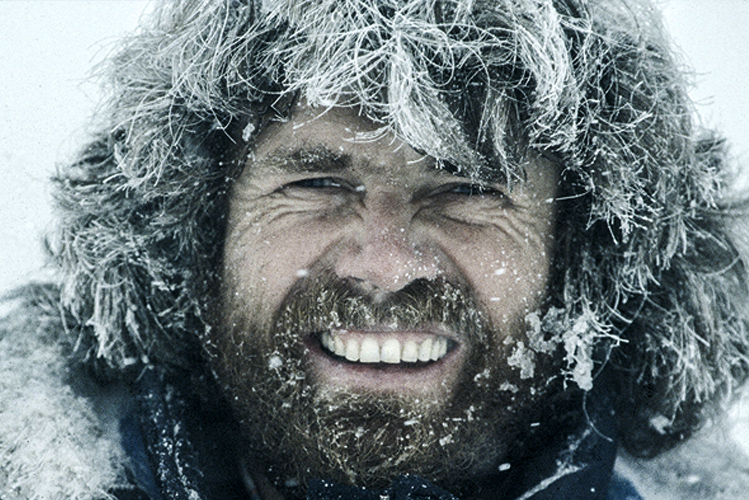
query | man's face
(373,307)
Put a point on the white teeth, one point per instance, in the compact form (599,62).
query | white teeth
(391,351)
(352,350)
(434,355)
(439,349)
(340,346)
(385,349)
(327,341)
(410,352)
(370,351)
(425,350)
(443,347)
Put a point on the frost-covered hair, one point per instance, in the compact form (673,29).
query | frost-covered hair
(648,280)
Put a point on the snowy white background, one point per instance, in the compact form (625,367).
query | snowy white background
(48,48)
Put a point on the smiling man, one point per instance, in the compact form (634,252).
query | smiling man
(371,304)
(418,249)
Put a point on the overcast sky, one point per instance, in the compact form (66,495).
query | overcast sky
(47,49)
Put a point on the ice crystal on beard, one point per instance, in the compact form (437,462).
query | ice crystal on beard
(537,332)
(577,336)
(579,340)
(247,132)
(275,362)
(446,440)
(660,423)
(524,359)
(507,386)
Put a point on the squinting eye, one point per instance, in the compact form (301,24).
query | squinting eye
(470,189)
(317,183)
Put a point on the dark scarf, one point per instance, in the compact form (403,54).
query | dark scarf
(180,449)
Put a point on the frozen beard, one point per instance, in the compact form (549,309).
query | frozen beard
(298,426)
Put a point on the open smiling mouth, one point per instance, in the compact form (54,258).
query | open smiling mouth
(386,348)
(386,360)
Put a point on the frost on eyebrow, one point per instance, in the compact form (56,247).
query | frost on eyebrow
(483,174)
(305,159)
(320,158)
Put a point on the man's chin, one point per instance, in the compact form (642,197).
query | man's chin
(300,428)
(341,387)
(367,439)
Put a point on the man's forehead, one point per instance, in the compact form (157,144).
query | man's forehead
(334,139)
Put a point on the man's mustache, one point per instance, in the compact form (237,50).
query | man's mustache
(323,301)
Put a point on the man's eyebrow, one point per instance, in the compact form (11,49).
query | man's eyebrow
(483,174)
(307,159)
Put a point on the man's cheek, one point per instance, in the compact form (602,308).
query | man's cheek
(268,270)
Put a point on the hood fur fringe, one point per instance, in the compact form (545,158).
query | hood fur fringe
(648,279)
(58,432)
(709,466)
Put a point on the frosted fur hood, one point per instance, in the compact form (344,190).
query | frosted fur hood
(59,435)
(648,280)
(59,441)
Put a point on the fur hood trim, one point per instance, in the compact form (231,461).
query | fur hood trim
(709,466)
(56,441)
(647,276)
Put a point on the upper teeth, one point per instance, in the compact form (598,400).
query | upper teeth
(385,349)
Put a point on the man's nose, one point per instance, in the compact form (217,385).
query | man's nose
(385,249)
